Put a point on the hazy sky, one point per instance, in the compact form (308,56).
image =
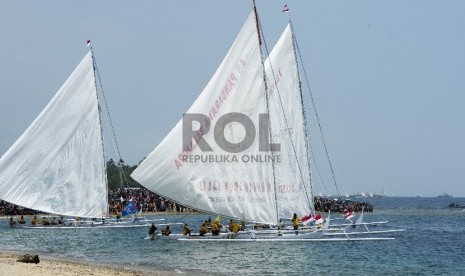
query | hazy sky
(388,77)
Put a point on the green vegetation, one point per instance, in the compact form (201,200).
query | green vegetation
(117,180)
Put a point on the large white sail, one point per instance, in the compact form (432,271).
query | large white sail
(236,184)
(57,165)
(292,174)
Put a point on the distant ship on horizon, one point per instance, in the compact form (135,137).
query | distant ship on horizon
(370,194)
(445,195)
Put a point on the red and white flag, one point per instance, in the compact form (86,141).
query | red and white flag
(285,8)
(307,219)
(318,219)
(88,42)
(348,214)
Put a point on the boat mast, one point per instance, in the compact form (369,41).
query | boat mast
(257,21)
(297,50)
(95,70)
(294,42)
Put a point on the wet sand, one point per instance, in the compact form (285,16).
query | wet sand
(54,266)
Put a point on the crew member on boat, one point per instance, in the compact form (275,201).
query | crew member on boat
(243,227)
(295,223)
(203,229)
(34,221)
(166,231)
(217,220)
(216,226)
(22,220)
(53,221)
(231,225)
(45,221)
(153,229)
(236,228)
(61,220)
(118,216)
(12,222)
(186,230)
(216,229)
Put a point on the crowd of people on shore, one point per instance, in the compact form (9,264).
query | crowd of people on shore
(142,198)
(151,202)
(338,205)
(117,199)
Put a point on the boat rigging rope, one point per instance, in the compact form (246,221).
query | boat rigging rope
(309,199)
(120,161)
(314,108)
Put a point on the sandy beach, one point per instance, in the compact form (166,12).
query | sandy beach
(54,266)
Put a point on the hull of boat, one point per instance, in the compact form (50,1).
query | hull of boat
(83,226)
(277,239)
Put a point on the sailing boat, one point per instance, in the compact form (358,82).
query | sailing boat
(57,165)
(222,180)
(240,151)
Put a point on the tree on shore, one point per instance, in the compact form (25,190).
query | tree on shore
(123,179)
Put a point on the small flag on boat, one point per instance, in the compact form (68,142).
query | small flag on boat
(348,214)
(285,8)
(306,219)
(88,42)
(130,209)
(318,219)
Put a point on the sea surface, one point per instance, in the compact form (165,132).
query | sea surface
(433,244)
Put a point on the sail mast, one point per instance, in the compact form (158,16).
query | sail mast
(257,21)
(297,50)
(95,71)
(294,42)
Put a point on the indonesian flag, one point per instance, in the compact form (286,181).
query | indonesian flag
(285,8)
(318,219)
(348,214)
(88,42)
(307,219)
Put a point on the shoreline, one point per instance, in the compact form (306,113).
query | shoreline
(2,216)
(57,266)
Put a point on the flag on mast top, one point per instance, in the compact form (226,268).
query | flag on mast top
(88,43)
(285,9)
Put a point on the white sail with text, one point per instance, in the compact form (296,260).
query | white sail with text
(203,173)
(293,189)
(57,164)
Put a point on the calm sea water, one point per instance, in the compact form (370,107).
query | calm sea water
(434,244)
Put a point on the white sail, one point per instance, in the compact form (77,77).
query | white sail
(288,127)
(218,181)
(57,165)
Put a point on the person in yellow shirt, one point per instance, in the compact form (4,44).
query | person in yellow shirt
(34,221)
(166,231)
(186,230)
(217,221)
(45,221)
(215,229)
(295,223)
(203,229)
(236,228)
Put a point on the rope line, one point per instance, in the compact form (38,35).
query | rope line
(314,109)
